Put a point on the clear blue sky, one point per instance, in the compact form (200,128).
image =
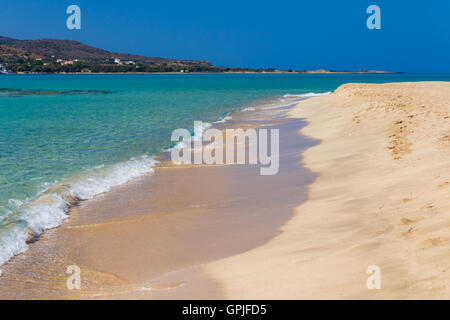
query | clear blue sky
(299,34)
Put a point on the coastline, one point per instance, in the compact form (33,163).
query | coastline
(225,72)
(128,240)
(381,198)
(366,207)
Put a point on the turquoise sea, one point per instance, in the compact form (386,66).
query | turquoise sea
(66,137)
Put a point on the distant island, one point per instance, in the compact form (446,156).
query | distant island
(68,56)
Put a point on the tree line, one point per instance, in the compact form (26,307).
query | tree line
(52,66)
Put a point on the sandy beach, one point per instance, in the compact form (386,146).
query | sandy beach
(364,180)
(225,160)
(382,198)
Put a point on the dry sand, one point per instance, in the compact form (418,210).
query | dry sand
(382,198)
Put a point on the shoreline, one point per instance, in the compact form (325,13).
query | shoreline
(147,211)
(227,72)
(381,199)
(59,198)
(63,196)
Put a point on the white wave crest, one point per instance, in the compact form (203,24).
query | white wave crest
(13,240)
(103,179)
(307,95)
(49,208)
(225,119)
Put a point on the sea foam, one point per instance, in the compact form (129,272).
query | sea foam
(225,119)
(307,95)
(50,207)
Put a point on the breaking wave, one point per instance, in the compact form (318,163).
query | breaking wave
(51,206)
(307,95)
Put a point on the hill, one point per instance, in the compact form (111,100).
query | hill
(70,49)
(69,56)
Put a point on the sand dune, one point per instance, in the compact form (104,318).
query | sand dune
(382,198)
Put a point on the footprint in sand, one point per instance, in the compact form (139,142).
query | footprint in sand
(445,184)
(435,242)
(410,233)
(406,221)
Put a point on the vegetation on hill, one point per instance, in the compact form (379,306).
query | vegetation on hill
(52,56)
(68,56)
(69,49)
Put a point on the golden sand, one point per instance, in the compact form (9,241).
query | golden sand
(382,198)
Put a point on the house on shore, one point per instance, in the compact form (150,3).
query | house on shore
(66,62)
(3,69)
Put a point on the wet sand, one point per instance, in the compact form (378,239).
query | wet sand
(151,238)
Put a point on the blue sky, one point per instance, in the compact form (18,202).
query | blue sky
(332,34)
